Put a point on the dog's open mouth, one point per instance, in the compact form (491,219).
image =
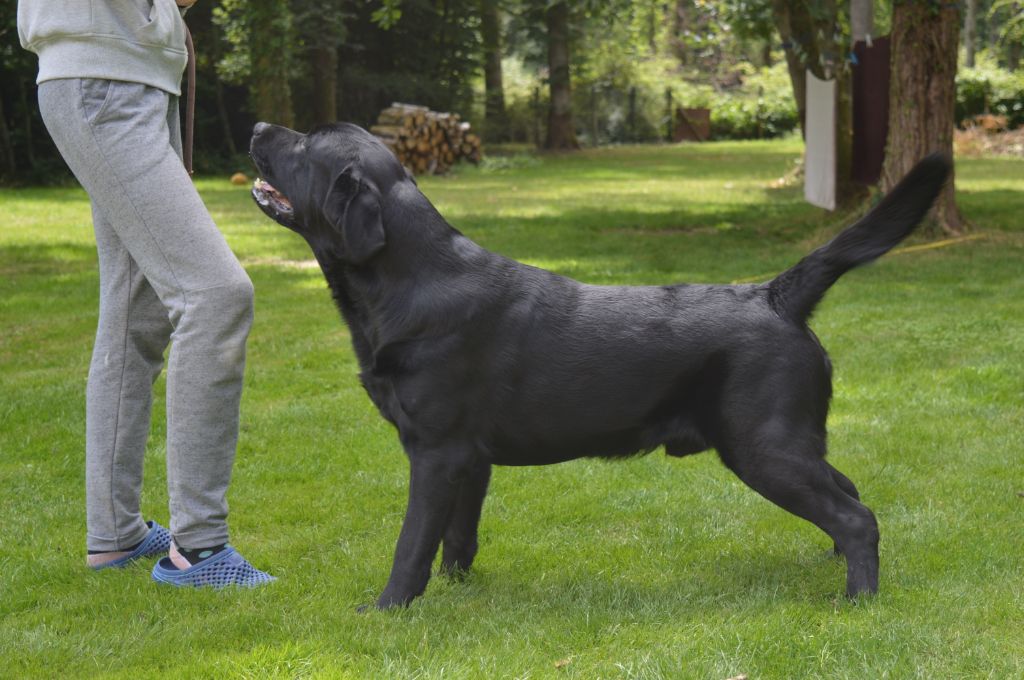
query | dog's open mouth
(270,198)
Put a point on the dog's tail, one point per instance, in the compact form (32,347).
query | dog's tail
(794,293)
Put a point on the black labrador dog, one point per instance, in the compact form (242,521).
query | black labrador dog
(479,360)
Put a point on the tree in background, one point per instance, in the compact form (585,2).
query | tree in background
(815,38)
(495,118)
(1008,15)
(561,128)
(14,67)
(922,96)
(321,29)
(623,64)
(752,22)
(261,37)
(416,51)
(26,153)
(970,31)
(554,30)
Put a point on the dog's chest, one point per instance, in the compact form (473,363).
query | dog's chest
(421,408)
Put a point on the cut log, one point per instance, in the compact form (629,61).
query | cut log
(425,140)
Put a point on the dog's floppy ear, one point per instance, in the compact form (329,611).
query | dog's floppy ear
(352,207)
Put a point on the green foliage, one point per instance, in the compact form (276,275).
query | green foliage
(431,56)
(320,24)
(1009,18)
(526,101)
(760,104)
(388,14)
(629,58)
(235,64)
(762,107)
(987,88)
(621,81)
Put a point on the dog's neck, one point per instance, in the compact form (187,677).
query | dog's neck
(414,287)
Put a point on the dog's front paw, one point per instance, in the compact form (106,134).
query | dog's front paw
(456,569)
(457,559)
(454,573)
(391,600)
(381,605)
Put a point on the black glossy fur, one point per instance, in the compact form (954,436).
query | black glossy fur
(479,360)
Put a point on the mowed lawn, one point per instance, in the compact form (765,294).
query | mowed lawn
(647,568)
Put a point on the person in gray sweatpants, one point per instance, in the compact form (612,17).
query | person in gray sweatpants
(167,276)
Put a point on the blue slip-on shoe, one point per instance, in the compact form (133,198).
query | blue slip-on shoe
(157,541)
(226,568)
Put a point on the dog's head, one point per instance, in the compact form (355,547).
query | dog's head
(328,185)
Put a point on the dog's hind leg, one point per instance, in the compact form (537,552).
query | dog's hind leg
(460,536)
(804,484)
(843,482)
(434,482)
(847,486)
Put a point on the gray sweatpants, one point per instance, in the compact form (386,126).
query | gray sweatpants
(166,274)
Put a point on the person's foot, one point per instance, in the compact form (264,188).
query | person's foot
(153,543)
(97,559)
(183,559)
(216,567)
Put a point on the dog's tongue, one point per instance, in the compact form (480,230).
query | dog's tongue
(266,192)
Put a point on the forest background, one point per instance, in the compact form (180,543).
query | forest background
(627,66)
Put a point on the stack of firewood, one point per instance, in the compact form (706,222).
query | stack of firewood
(426,141)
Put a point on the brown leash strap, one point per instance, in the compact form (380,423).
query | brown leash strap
(190,102)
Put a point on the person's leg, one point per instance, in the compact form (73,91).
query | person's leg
(115,138)
(131,336)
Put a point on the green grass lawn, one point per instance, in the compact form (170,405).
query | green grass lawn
(649,568)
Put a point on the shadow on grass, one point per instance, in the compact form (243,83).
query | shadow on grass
(997,209)
(732,581)
(44,259)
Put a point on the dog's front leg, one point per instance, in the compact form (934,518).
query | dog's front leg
(460,534)
(434,482)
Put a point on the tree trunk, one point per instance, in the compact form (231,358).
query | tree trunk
(653,12)
(225,120)
(26,121)
(806,37)
(561,131)
(324,63)
(970,30)
(7,166)
(826,25)
(1013,56)
(846,189)
(922,96)
(680,23)
(796,28)
(495,122)
(271,50)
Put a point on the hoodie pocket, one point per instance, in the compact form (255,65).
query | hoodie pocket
(163,25)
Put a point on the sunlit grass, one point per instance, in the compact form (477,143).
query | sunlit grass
(652,568)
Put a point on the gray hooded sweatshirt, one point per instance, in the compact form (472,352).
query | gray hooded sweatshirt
(138,41)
